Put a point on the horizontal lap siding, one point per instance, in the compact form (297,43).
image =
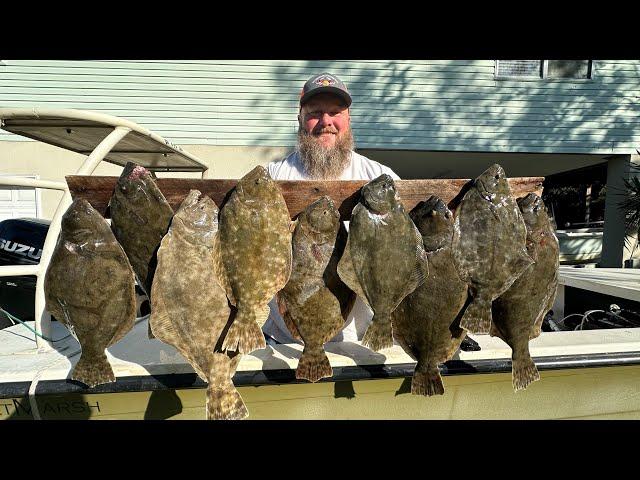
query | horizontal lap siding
(422,105)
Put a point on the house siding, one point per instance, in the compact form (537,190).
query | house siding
(430,105)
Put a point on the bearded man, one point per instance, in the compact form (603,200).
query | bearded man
(324,152)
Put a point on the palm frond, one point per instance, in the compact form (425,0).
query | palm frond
(630,206)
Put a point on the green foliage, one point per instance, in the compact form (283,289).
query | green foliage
(630,206)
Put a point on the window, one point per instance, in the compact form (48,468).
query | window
(544,69)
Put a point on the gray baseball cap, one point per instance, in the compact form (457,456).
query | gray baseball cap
(324,83)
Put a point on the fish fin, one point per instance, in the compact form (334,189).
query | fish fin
(93,370)
(313,365)
(522,262)
(420,273)
(426,381)
(286,316)
(223,399)
(524,372)
(164,330)
(477,318)
(159,321)
(263,315)
(245,335)
(292,225)
(494,331)
(347,273)
(379,334)
(221,273)
(548,305)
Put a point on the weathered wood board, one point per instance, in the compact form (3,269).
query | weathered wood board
(298,194)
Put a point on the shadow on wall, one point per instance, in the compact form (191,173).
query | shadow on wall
(458,105)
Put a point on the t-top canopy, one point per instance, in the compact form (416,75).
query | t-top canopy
(82,131)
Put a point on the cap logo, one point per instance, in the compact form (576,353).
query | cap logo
(325,81)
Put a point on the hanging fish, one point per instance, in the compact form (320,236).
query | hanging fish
(488,244)
(518,313)
(426,324)
(140,216)
(384,259)
(189,308)
(255,255)
(90,287)
(307,304)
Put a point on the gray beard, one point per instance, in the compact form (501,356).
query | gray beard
(322,163)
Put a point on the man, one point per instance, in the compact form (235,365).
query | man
(324,152)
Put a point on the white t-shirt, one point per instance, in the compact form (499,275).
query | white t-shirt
(360,168)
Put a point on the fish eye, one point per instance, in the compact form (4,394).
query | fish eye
(497,177)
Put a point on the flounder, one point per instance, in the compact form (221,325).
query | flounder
(140,217)
(426,323)
(307,304)
(384,260)
(488,244)
(90,287)
(189,307)
(518,313)
(255,256)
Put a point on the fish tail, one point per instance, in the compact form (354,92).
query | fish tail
(524,372)
(223,399)
(225,403)
(150,332)
(244,335)
(426,381)
(477,318)
(93,370)
(313,365)
(379,334)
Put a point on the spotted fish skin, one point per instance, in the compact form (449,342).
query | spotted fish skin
(426,323)
(384,259)
(90,287)
(518,313)
(308,307)
(488,244)
(189,307)
(255,255)
(140,217)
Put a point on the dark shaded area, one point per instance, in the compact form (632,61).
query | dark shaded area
(575,199)
(343,389)
(405,387)
(578,300)
(343,378)
(469,345)
(163,404)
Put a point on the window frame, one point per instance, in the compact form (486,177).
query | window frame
(544,66)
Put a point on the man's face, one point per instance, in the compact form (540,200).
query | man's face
(326,118)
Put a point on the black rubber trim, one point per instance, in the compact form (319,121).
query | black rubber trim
(14,389)
(287,376)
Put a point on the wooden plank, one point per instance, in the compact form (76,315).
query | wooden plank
(97,190)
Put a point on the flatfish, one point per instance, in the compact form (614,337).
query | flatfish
(90,287)
(189,307)
(140,217)
(308,306)
(384,259)
(426,324)
(518,313)
(255,255)
(488,244)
